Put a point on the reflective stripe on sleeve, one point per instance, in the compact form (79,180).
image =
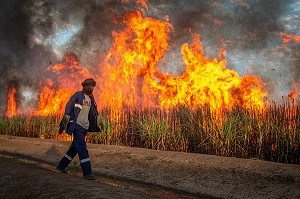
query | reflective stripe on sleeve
(85,160)
(78,106)
(68,157)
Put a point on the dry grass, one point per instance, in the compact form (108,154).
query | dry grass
(271,134)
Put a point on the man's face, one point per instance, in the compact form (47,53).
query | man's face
(88,90)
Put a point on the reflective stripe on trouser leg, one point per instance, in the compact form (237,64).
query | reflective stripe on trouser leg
(86,166)
(85,160)
(81,148)
(68,157)
(71,153)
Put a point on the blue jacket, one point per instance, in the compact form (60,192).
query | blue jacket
(73,108)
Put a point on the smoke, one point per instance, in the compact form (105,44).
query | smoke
(297,73)
(15,28)
(99,20)
(257,22)
(21,59)
(38,33)
(296,63)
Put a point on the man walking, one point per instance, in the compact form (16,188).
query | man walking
(79,118)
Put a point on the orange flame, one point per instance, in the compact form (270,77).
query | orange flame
(206,81)
(293,94)
(11,103)
(53,98)
(288,38)
(131,63)
(132,76)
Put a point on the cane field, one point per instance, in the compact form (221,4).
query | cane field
(271,134)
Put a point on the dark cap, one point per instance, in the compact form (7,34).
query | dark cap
(89,82)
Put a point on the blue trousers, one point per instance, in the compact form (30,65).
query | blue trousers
(78,146)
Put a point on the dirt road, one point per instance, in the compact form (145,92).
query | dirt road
(24,178)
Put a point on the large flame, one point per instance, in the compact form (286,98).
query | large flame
(132,76)
(207,81)
(131,63)
(11,102)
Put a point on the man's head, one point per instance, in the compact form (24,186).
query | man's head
(88,86)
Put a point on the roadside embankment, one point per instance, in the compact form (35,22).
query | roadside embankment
(195,173)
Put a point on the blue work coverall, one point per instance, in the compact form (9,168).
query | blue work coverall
(78,145)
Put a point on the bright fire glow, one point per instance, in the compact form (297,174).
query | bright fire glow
(52,99)
(11,102)
(288,38)
(293,94)
(130,75)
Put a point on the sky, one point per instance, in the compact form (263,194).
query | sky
(37,33)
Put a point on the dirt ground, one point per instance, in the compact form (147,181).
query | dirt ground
(27,167)
(26,179)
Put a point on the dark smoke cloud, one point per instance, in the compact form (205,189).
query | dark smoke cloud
(258,26)
(100,18)
(257,22)
(20,61)
(15,30)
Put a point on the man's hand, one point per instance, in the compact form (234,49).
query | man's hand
(63,124)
